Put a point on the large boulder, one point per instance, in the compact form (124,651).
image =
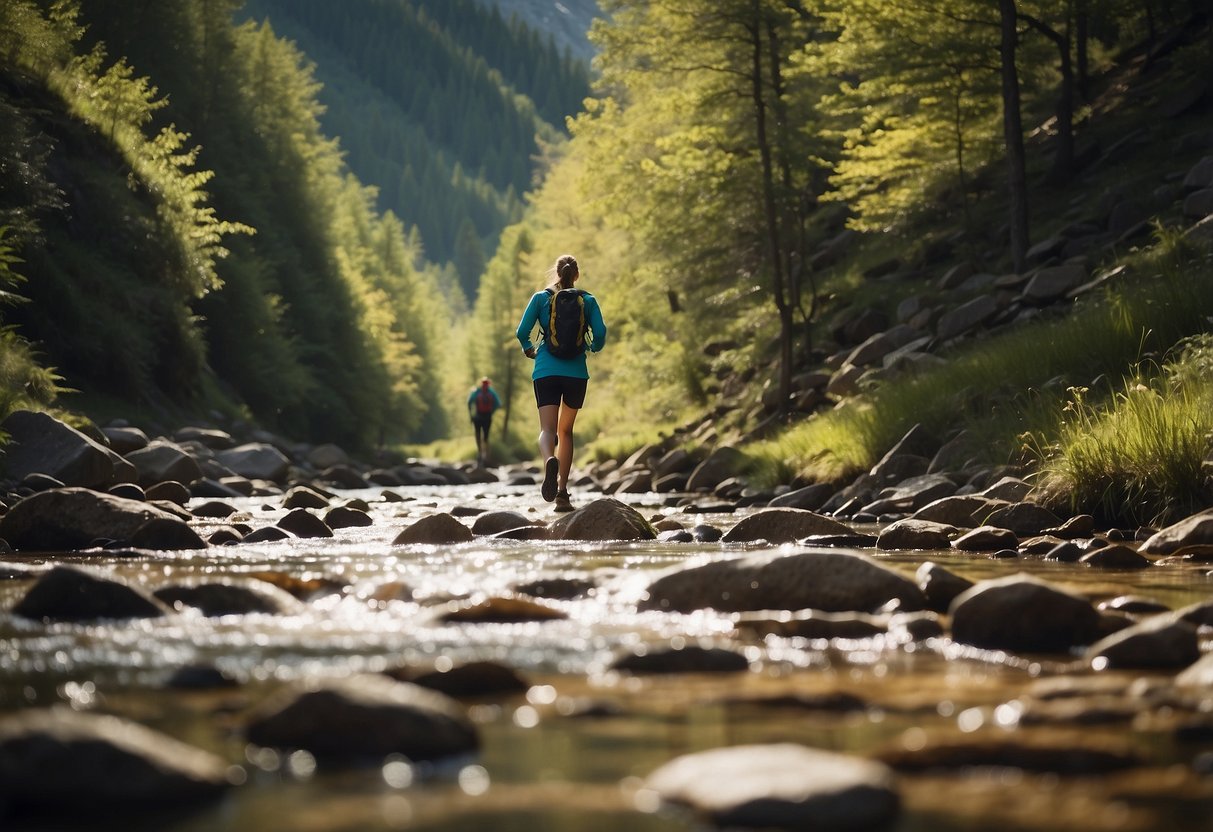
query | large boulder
(66,519)
(822,579)
(64,762)
(41,444)
(1022,613)
(603,519)
(72,593)
(367,717)
(164,461)
(255,461)
(780,785)
(783,525)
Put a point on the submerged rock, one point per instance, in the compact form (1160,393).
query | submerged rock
(781,785)
(473,679)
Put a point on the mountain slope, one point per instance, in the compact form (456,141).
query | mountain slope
(439,106)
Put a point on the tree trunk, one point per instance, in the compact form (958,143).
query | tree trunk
(1012,125)
(1063,160)
(770,209)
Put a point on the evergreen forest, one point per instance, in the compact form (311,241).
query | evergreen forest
(274,209)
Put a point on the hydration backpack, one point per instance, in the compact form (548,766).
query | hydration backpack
(484,401)
(566,326)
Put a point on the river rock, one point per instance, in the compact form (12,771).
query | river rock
(1199,675)
(1042,755)
(498,610)
(939,586)
(347,517)
(435,529)
(230,596)
(473,679)
(123,440)
(66,763)
(811,497)
(301,496)
(986,539)
(780,785)
(1023,519)
(173,492)
(38,443)
(1196,530)
(783,525)
(1116,556)
(722,463)
(603,519)
(494,522)
(302,523)
(812,624)
(964,511)
(689,658)
(1165,642)
(73,593)
(255,461)
(909,533)
(214,509)
(162,461)
(364,717)
(820,580)
(1022,613)
(72,518)
(212,438)
(166,534)
(327,456)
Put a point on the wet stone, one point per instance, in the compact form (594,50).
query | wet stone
(494,522)
(557,588)
(166,534)
(1022,613)
(940,586)
(213,508)
(268,534)
(812,624)
(503,611)
(72,593)
(301,496)
(64,763)
(364,718)
(783,525)
(346,517)
(435,529)
(1133,604)
(472,680)
(986,539)
(780,785)
(1117,556)
(682,659)
(302,523)
(230,597)
(1165,642)
(173,492)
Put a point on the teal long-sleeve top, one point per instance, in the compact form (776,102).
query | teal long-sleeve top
(546,364)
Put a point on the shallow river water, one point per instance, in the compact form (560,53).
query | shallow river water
(570,754)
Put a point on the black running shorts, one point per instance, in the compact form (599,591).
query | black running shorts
(550,390)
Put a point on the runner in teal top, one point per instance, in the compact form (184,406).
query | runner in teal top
(560,383)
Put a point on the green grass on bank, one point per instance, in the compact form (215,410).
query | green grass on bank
(1014,386)
(1138,458)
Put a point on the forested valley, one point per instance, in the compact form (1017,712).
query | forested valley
(327,217)
(184,232)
